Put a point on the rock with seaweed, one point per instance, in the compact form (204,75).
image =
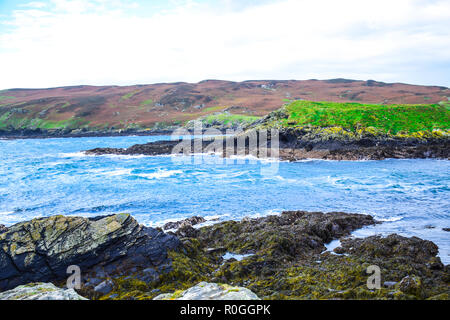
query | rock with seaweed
(210,291)
(40,291)
(42,249)
(284,257)
(191,221)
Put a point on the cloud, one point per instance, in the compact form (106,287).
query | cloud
(126,42)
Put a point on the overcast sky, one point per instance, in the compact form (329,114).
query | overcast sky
(121,42)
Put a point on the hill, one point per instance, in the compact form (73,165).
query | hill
(394,119)
(167,105)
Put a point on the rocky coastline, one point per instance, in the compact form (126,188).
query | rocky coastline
(273,257)
(299,144)
(77,133)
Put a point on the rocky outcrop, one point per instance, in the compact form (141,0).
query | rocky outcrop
(303,143)
(284,257)
(183,223)
(3,228)
(275,257)
(40,291)
(339,144)
(210,291)
(42,249)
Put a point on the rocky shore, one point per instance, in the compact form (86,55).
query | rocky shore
(299,144)
(77,133)
(274,257)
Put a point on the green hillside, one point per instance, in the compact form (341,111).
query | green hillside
(395,119)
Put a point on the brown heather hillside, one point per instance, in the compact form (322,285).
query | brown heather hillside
(167,104)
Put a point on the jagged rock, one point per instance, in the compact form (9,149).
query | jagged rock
(411,285)
(186,222)
(3,228)
(42,249)
(289,234)
(40,291)
(210,291)
(415,249)
(187,232)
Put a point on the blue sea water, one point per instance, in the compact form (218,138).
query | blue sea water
(43,177)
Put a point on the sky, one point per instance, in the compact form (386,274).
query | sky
(50,43)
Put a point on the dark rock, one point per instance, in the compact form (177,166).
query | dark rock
(187,232)
(435,264)
(42,249)
(446,229)
(186,222)
(415,249)
(286,235)
(3,228)
(285,250)
(411,285)
(301,143)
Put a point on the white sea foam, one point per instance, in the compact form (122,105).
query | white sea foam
(78,154)
(238,257)
(159,174)
(392,219)
(118,172)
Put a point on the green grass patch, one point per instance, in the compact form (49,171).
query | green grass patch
(226,118)
(214,109)
(146,102)
(12,121)
(6,97)
(129,95)
(390,119)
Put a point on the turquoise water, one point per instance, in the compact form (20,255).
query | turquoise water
(43,177)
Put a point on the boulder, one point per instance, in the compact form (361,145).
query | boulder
(40,291)
(104,287)
(3,228)
(210,291)
(42,249)
(411,285)
(186,222)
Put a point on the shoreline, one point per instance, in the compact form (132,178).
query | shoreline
(244,254)
(15,136)
(292,148)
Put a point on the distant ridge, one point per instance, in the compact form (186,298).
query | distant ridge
(162,105)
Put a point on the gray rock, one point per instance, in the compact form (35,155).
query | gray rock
(40,250)
(389,284)
(185,222)
(210,291)
(105,287)
(40,291)
(3,228)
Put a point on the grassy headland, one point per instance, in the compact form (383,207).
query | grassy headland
(399,120)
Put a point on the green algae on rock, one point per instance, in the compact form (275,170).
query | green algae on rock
(42,249)
(289,260)
(40,291)
(210,291)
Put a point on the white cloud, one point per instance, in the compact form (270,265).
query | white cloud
(109,42)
